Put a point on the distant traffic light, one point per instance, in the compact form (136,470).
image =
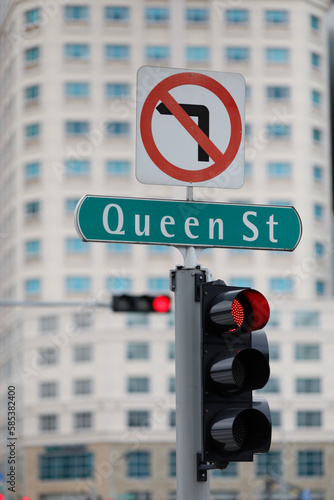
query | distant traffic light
(235,360)
(141,303)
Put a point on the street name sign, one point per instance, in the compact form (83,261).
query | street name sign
(190,127)
(187,223)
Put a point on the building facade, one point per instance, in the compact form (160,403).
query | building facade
(95,402)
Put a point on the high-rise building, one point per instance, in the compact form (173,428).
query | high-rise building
(95,403)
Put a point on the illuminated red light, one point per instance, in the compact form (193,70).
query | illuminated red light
(237,312)
(161,304)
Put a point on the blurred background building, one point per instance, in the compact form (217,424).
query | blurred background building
(95,390)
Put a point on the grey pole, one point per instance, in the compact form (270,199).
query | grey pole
(188,384)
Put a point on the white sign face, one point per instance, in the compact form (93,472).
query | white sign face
(190,127)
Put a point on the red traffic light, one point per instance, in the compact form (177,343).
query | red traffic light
(161,304)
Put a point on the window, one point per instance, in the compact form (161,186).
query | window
(278,131)
(48,356)
(269,464)
(32,209)
(320,287)
(248,130)
(237,16)
(197,54)
(32,131)
(281,170)
(118,167)
(307,352)
(317,135)
(197,16)
(240,54)
(138,464)
(77,128)
(77,90)
(76,13)
(156,14)
(315,60)
(75,284)
(137,350)
(115,13)
(77,51)
(76,246)
(138,384)
(48,389)
(248,169)
(272,386)
(31,55)
(308,385)
(70,205)
(32,248)
(171,384)
(310,463)
(277,55)
(278,93)
(32,286)
(138,418)
(77,167)
(172,463)
(118,248)
(315,22)
(242,281)
(157,52)
(32,170)
(275,418)
(316,97)
(158,284)
(117,52)
(306,318)
(318,211)
(276,17)
(317,173)
(31,94)
(118,129)
(172,418)
(274,320)
(83,319)
(31,16)
(171,350)
(48,423)
(48,324)
(119,284)
(83,420)
(82,353)
(117,90)
(284,285)
(83,387)
(309,418)
(230,471)
(319,249)
(274,351)
(72,466)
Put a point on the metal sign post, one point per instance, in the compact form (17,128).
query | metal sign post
(188,382)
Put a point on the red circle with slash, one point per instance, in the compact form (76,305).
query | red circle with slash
(161,93)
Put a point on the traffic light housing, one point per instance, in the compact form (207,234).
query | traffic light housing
(141,303)
(235,361)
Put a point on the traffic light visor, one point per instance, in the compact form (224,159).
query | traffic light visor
(242,309)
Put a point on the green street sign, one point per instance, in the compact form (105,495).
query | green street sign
(187,223)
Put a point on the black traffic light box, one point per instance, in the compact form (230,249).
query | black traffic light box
(235,361)
(141,303)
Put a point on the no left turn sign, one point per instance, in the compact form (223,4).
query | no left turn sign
(190,127)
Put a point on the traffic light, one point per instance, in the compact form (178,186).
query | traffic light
(141,303)
(235,360)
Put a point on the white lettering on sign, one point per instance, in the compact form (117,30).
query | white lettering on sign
(271,228)
(212,224)
(191,221)
(120,219)
(251,226)
(146,229)
(164,221)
